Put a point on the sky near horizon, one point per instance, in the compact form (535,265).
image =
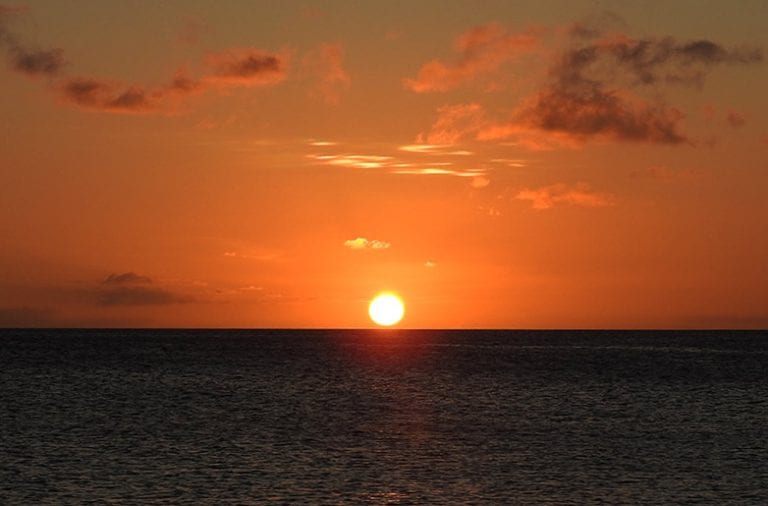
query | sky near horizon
(553,164)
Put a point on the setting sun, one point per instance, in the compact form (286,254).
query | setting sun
(386,309)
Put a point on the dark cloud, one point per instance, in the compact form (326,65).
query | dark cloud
(648,61)
(589,90)
(105,96)
(126,277)
(24,59)
(139,296)
(245,67)
(237,67)
(34,63)
(240,68)
(600,112)
(132,289)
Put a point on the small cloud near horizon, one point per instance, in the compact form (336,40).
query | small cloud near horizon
(361,243)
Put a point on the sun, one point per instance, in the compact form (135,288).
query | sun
(386,309)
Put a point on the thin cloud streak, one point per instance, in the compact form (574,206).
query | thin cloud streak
(481,51)
(579,194)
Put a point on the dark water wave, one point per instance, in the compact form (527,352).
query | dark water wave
(383,417)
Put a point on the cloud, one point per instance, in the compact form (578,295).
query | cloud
(585,114)
(243,67)
(588,94)
(246,67)
(481,51)
(326,64)
(105,96)
(434,149)
(455,122)
(132,289)
(34,63)
(361,243)
(235,68)
(395,165)
(139,296)
(579,194)
(584,99)
(440,171)
(22,58)
(125,278)
(592,90)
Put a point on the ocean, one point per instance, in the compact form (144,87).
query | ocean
(383,417)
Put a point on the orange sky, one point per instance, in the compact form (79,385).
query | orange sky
(277,164)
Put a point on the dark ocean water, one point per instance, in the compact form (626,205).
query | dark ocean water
(383,417)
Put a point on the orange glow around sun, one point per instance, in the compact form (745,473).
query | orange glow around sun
(386,309)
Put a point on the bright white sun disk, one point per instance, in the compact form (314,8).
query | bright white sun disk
(386,309)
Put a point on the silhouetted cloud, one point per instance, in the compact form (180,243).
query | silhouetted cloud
(22,58)
(132,289)
(363,243)
(599,112)
(138,296)
(105,96)
(234,67)
(481,51)
(587,94)
(126,278)
(228,69)
(247,67)
(579,194)
(42,62)
(591,91)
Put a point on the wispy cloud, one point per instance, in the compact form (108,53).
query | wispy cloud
(397,165)
(579,194)
(437,171)
(454,123)
(481,51)
(434,149)
(326,65)
(361,243)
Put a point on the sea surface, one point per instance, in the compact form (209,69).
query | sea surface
(383,417)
